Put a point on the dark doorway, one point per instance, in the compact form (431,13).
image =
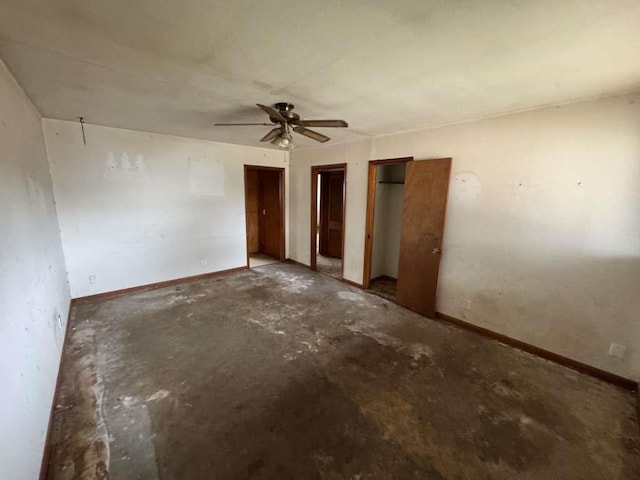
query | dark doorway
(264,208)
(331,209)
(327,223)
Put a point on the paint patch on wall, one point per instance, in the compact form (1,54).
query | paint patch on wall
(124,167)
(206,177)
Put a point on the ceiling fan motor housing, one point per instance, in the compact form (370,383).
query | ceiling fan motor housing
(286,110)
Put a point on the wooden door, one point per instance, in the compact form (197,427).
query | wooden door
(252,195)
(270,213)
(331,213)
(423,215)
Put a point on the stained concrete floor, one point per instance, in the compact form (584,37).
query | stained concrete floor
(329,266)
(386,287)
(282,373)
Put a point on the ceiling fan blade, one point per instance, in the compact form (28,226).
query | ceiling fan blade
(323,123)
(238,124)
(273,113)
(271,135)
(318,137)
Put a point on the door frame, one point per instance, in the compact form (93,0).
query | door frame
(281,188)
(315,171)
(371,208)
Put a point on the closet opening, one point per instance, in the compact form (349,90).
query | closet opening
(387,223)
(406,209)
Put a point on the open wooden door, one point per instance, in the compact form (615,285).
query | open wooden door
(423,216)
(331,212)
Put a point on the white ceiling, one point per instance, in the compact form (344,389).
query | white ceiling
(179,66)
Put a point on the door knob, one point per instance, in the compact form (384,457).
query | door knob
(435,250)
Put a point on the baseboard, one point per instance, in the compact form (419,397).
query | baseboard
(546,354)
(154,286)
(48,445)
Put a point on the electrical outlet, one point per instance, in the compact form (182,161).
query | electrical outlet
(617,350)
(466,304)
(92,279)
(203,261)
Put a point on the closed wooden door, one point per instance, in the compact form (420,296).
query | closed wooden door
(423,215)
(270,213)
(331,213)
(252,198)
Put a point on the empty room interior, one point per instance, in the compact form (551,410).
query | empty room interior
(320,240)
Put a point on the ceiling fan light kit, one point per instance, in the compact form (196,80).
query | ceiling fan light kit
(285,120)
(283,141)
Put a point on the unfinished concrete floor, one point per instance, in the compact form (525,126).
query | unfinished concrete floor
(329,266)
(386,287)
(282,373)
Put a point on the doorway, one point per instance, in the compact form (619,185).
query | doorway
(328,203)
(406,207)
(264,213)
(388,196)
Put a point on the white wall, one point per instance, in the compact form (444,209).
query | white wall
(357,156)
(386,230)
(34,296)
(542,241)
(138,208)
(387,220)
(380,228)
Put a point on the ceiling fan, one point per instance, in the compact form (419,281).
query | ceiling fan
(282,115)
